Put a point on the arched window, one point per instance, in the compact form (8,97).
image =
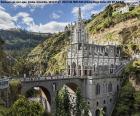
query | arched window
(97,112)
(117,87)
(110,87)
(79,70)
(68,70)
(97,89)
(90,71)
(85,71)
(105,111)
(111,68)
(94,68)
(73,69)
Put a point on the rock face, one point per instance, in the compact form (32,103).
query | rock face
(135,81)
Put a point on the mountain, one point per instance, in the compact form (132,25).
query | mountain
(17,40)
(106,27)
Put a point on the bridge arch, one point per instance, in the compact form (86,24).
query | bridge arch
(43,96)
(72,86)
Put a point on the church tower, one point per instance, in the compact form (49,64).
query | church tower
(77,48)
(79,33)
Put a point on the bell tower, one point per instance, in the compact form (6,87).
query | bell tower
(79,33)
(77,47)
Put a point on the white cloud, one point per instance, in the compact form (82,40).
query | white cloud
(22,18)
(6,20)
(21,14)
(54,15)
(50,27)
(1,8)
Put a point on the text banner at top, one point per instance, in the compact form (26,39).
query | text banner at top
(68,1)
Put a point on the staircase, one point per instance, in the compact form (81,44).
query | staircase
(120,68)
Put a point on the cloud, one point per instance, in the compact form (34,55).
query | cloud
(1,8)
(56,15)
(23,18)
(6,20)
(49,27)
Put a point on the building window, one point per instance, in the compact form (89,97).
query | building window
(90,72)
(97,103)
(68,70)
(110,87)
(111,69)
(97,89)
(104,102)
(117,87)
(94,68)
(85,71)
(79,46)
(79,70)
(73,69)
(97,112)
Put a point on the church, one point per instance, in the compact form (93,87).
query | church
(100,65)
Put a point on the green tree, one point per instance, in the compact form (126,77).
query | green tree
(25,107)
(58,104)
(79,103)
(86,109)
(125,103)
(66,103)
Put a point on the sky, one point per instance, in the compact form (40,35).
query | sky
(44,18)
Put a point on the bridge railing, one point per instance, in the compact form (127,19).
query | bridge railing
(47,78)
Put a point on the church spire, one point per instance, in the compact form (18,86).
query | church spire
(79,13)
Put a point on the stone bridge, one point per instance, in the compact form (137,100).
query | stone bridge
(87,85)
(50,86)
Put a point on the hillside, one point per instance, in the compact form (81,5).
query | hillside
(49,54)
(20,41)
(117,28)
(4,68)
(107,26)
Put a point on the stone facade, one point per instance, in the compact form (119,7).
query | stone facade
(98,64)
(85,59)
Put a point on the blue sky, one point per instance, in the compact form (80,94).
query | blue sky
(43,17)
